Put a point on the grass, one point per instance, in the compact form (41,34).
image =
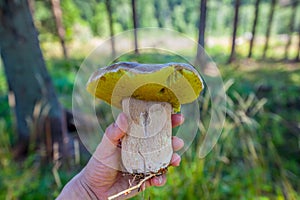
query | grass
(256,157)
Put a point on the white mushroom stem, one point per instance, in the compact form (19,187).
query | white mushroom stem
(147,146)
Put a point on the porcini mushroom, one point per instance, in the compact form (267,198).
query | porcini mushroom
(148,95)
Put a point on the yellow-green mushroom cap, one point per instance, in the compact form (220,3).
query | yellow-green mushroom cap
(175,83)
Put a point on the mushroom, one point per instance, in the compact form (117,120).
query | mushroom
(148,94)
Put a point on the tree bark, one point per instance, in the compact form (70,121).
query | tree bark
(29,80)
(269,27)
(57,14)
(111,28)
(291,28)
(257,2)
(202,23)
(200,57)
(235,26)
(135,25)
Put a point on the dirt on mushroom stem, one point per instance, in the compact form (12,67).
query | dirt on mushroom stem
(141,176)
(140,179)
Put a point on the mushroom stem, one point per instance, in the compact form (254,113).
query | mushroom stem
(147,146)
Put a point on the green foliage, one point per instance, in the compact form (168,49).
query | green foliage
(148,58)
(71,17)
(146,13)
(84,19)
(3,85)
(178,19)
(99,21)
(257,155)
(5,112)
(122,14)
(64,78)
(246,18)
(253,159)
(22,180)
(161,12)
(95,15)
(283,15)
(43,19)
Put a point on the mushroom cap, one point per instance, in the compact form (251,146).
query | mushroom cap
(175,83)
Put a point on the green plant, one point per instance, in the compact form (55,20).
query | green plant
(239,166)
(256,157)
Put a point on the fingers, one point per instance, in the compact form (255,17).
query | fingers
(161,180)
(122,122)
(175,160)
(118,129)
(177,143)
(177,119)
(158,180)
(106,158)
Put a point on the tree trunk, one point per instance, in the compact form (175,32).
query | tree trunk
(111,28)
(254,27)
(28,79)
(57,14)
(235,26)
(202,21)
(270,21)
(291,28)
(135,25)
(200,57)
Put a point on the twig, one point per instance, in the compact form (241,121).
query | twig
(127,191)
(132,181)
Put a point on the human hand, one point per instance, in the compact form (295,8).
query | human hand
(102,177)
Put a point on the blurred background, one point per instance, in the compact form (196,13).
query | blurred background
(255,44)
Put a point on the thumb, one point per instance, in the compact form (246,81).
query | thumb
(107,151)
(117,130)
